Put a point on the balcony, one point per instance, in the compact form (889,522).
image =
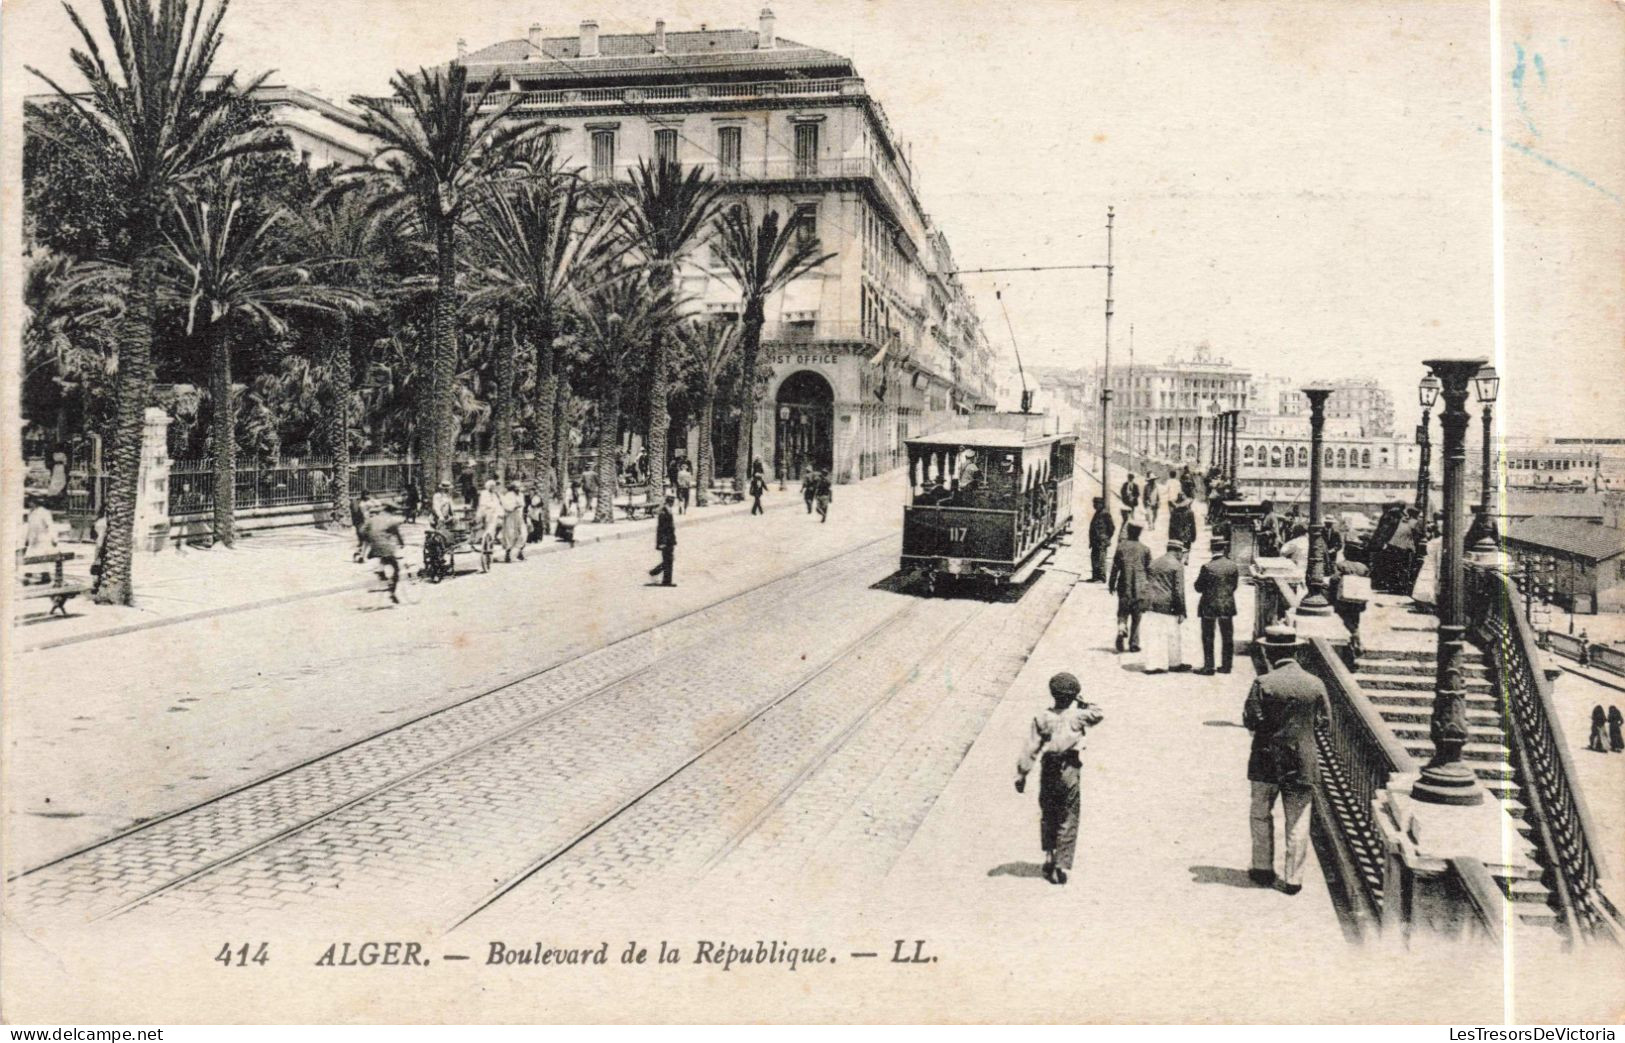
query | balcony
(698,92)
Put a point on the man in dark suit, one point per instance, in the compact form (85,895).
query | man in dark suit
(1101,529)
(1281,711)
(1129,493)
(1130,580)
(1216,583)
(666,542)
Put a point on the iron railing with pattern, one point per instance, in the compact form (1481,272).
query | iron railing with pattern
(1358,755)
(1273,600)
(1540,755)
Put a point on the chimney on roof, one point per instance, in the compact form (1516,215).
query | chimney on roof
(462,48)
(660,37)
(589,39)
(764,36)
(536,36)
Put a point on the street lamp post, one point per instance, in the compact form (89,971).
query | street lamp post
(1446,779)
(1235,450)
(1427,393)
(1486,383)
(1315,604)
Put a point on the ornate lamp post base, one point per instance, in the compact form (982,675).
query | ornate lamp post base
(1448,784)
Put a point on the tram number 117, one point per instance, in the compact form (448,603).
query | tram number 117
(956,534)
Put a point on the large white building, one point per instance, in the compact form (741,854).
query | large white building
(882,342)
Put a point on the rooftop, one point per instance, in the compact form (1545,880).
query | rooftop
(622,54)
(1569,536)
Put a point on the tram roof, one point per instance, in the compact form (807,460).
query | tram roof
(987,438)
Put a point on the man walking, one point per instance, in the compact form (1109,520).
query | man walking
(1129,493)
(822,496)
(1055,742)
(1166,651)
(1101,528)
(1216,605)
(1152,498)
(685,486)
(666,543)
(758,486)
(809,486)
(382,534)
(1130,580)
(589,486)
(1281,711)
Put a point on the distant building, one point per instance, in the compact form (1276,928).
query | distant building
(1590,560)
(879,344)
(1162,411)
(320,132)
(1360,406)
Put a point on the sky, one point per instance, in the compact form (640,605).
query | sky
(1309,188)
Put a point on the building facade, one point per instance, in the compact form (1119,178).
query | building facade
(879,344)
(1165,412)
(1360,406)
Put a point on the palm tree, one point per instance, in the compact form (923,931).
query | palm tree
(440,145)
(668,213)
(153,111)
(543,235)
(73,309)
(221,272)
(763,259)
(350,240)
(712,346)
(617,320)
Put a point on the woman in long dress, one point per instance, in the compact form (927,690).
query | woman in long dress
(488,517)
(513,522)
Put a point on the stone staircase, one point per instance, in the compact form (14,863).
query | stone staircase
(1399,683)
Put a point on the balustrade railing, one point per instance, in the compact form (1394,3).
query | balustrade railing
(1273,600)
(1541,757)
(1359,754)
(1603,657)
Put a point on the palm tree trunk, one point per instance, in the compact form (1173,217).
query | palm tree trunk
(708,409)
(507,364)
(442,420)
(561,435)
(659,392)
(750,348)
(609,431)
(338,417)
(547,381)
(133,391)
(223,435)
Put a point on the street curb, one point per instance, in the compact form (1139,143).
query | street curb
(1618,686)
(551,546)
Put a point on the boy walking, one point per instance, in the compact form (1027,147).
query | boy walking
(1055,743)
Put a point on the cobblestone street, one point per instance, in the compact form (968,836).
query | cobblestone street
(590,748)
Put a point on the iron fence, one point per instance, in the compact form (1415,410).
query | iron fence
(1540,754)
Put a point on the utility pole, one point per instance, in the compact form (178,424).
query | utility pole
(1106,379)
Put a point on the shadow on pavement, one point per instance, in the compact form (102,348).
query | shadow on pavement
(1221,875)
(1222,724)
(1029,870)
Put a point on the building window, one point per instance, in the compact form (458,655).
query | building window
(728,139)
(1275,456)
(603,154)
(666,145)
(1303,457)
(1365,458)
(1342,458)
(806,150)
(805,220)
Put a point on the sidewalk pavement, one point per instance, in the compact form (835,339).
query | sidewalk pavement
(1163,851)
(280,566)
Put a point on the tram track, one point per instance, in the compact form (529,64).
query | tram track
(908,674)
(823,581)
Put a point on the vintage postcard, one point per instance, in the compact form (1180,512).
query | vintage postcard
(848,511)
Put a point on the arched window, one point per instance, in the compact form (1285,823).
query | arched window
(1275,456)
(1342,458)
(1327,462)
(1365,458)
(1247,454)
(1303,456)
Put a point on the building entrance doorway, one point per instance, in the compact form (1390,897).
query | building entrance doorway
(806,420)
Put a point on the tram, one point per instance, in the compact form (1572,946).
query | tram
(985,502)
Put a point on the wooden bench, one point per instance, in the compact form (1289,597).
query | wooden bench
(60,591)
(635,511)
(726,494)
